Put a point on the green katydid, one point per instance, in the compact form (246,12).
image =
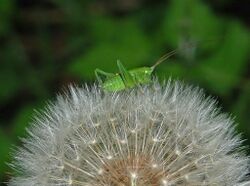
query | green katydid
(126,79)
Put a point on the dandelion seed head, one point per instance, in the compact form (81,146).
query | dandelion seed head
(167,135)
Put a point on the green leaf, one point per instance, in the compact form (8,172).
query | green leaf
(5,145)
(11,57)
(121,40)
(9,84)
(6,10)
(172,68)
(241,109)
(189,19)
(22,120)
(222,71)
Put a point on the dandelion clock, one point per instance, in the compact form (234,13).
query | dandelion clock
(166,134)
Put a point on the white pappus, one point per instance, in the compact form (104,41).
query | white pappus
(169,135)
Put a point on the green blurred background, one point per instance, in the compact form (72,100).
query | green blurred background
(46,45)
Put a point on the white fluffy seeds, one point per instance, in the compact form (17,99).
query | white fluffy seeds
(154,135)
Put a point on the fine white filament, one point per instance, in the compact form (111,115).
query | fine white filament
(154,135)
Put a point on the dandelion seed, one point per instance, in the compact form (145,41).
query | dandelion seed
(169,135)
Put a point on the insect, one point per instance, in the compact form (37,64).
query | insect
(126,79)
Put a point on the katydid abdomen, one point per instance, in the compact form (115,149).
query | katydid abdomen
(113,84)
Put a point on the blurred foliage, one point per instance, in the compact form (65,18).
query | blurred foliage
(5,144)
(46,45)
(112,44)
(6,10)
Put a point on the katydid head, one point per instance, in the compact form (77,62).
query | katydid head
(147,71)
(142,75)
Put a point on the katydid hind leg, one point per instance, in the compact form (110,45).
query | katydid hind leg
(99,73)
(126,76)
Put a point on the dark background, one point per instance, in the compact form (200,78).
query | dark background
(46,45)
